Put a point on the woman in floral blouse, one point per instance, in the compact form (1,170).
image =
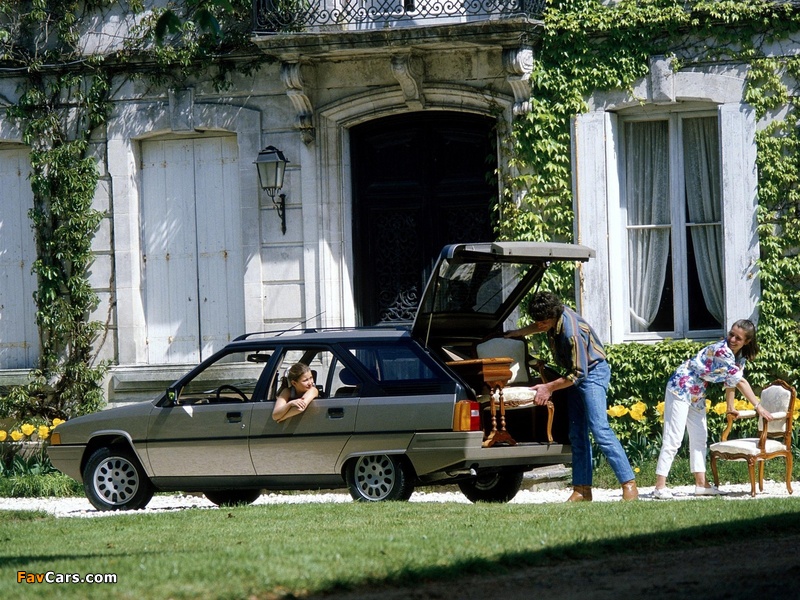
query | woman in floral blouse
(685,402)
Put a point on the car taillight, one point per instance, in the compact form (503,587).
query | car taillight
(467,416)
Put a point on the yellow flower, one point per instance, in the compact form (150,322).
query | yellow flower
(741,405)
(617,411)
(16,435)
(708,404)
(721,408)
(3,435)
(43,431)
(636,469)
(28,429)
(660,408)
(57,422)
(637,411)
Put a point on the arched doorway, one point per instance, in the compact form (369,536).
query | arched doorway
(420,181)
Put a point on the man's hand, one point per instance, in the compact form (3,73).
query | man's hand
(543,394)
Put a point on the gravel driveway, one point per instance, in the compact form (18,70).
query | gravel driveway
(80,507)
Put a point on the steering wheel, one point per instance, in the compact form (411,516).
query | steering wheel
(234,389)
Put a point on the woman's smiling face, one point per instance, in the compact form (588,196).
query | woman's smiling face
(737,339)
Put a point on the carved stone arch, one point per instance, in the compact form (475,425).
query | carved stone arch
(334,185)
(133,123)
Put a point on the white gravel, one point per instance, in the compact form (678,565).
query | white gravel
(80,507)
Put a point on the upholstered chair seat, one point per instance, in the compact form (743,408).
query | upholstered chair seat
(774,440)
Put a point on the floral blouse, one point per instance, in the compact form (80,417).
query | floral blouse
(715,363)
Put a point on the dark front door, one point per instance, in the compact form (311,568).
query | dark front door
(420,181)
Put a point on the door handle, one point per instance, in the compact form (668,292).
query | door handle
(336,413)
(234,417)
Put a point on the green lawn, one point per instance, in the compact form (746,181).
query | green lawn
(287,550)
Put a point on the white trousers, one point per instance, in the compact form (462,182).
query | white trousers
(680,416)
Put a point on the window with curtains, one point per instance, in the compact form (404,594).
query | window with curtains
(672,219)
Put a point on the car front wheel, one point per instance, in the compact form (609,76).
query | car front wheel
(492,487)
(379,477)
(233,497)
(114,480)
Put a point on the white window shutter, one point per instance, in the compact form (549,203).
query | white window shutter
(19,338)
(595,185)
(193,267)
(740,201)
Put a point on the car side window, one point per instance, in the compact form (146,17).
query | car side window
(393,363)
(231,379)
(344,383)
(319,360)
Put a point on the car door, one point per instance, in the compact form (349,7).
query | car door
(204,430)
(309,443)
(200,440)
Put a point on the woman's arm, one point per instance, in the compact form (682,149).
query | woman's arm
(285,408)
(747,391)
(730,398)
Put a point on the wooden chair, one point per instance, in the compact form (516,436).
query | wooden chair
(774,440)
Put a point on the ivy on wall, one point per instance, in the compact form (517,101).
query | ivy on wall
(590,46)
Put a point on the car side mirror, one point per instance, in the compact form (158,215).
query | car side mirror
(169,397)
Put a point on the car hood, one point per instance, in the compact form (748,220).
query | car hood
(131,419)
(474,288)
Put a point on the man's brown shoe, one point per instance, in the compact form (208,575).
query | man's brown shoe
(629,490)
(581,493)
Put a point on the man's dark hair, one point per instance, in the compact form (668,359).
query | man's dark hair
(544,305)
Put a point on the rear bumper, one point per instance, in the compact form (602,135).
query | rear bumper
(446,451)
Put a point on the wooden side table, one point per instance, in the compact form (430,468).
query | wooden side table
(494,374)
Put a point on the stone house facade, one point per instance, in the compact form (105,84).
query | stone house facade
(369,112)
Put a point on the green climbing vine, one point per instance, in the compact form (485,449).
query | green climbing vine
(590,46)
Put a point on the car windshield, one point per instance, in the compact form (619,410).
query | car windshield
(232,378)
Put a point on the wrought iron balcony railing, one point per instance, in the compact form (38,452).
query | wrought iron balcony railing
(287,16)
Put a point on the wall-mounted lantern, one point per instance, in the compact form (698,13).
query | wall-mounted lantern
(271,165)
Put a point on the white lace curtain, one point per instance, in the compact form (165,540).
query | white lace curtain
(648,209)
(701,165)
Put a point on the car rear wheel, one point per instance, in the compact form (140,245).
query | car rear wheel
(233,497)
(379,477)
(492,487)
(114,480)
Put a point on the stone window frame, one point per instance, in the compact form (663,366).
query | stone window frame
(597,189)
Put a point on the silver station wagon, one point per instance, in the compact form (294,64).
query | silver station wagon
(398,407)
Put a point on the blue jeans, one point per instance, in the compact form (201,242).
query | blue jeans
(587,412)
